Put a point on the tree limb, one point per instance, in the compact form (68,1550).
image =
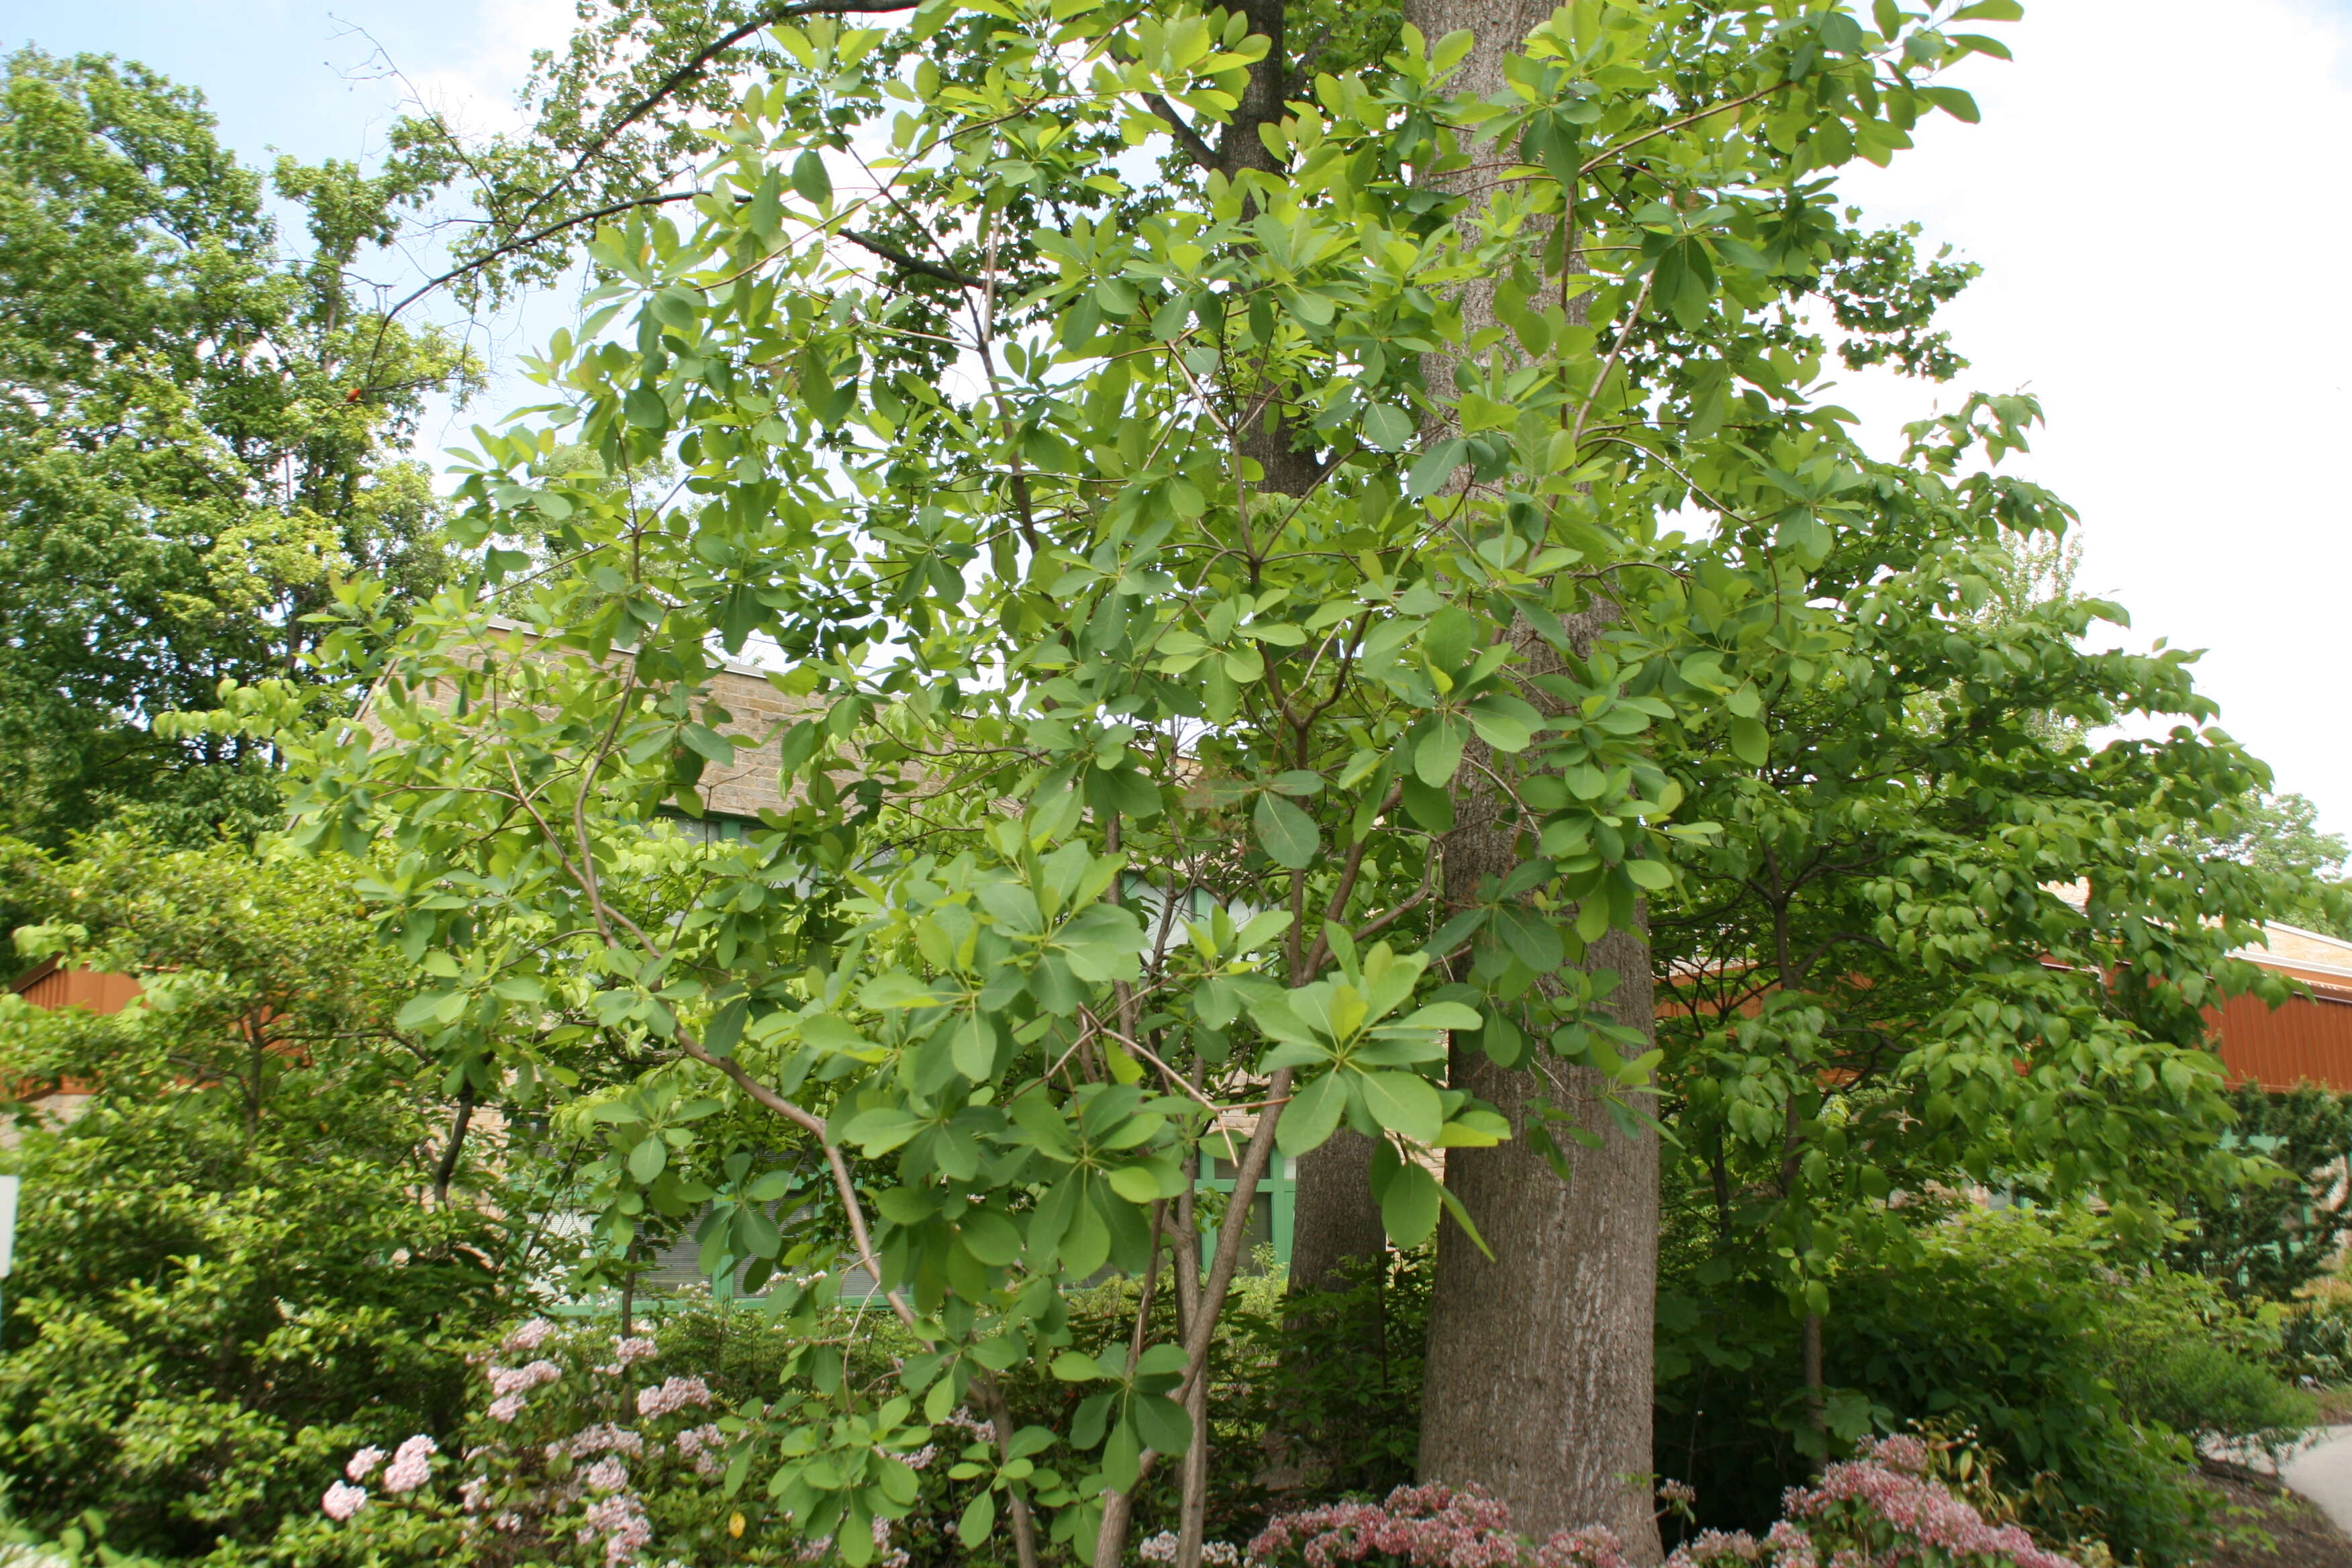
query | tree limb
(693,67)
(912,263)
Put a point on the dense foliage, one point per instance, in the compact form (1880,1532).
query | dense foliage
(1243,610)
(1243,674)
(2082,1365)
(2283,1228)
(199,432)
(229,1266)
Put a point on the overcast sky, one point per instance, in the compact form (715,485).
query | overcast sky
(2160,194)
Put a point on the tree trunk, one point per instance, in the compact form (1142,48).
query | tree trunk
(1334,1221)
(1539,1380)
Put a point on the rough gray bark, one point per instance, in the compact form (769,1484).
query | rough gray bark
(1539,1373)
(1334,1221)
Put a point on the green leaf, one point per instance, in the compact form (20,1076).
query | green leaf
(1444,1015)
(646,1160)
(1505,722)
(418,1011)
(973,1049)
(979,1519)
(1654,875)
(896,988)
(809,179)
(1749,742)
(708,744)
(1438,757)
(1288,834)
(990,1236)
(1409,1205)
(1436,465)
(1431,808)
(1387,428)
(1077,1366)
(1311,1115)
(1136,1183)
(1404,1103)
(643,408)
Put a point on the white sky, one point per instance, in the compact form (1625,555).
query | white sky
(2161,194)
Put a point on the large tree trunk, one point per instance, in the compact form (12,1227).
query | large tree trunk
(1334,1224)
(1538,1381)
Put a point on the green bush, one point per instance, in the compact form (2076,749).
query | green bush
(2085,1371)
(227,1275)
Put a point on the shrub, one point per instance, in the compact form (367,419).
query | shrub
(1433,1526)
(2085,1371)
(226,1277)
(199,1328)
(2270,1239)
(585,1449)
(1880,1507)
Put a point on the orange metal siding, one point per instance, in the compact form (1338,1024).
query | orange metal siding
(2303,1040)
(99,993)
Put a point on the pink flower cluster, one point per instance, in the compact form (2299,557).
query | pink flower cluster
(412,1464)
(522,1378)
(606,1475)
(620,1520)
(343,1500)
(601,1438)
(674,1394)
(363,1461)
(703,1445)
(1591,1546)
(1914,1506)
(529,1336)
(1434,1526)
(1878,1507)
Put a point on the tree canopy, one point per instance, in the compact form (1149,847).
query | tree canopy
(199,432)
(1285,567)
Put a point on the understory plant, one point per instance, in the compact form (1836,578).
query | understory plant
(231,1266)
(1880,1506)
(2085,1369)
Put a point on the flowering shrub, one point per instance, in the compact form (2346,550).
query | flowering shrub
(1879,1508)
(1434,1526)
(578,1457)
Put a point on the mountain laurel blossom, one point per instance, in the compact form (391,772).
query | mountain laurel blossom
(412,1464)
(506,1407)
(603,1439)
(1434,1526)
(529,1337)
(674,1394)
(1161,1548)
(1880,1507)
(363,1461)
(343,1500)
(620,1518)
(704,1444)
(606,1475)
(522,1378)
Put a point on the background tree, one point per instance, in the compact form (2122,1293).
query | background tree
(1943,940)
(2268,1236)
(2280,834)
(198,434)
(253,1246)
